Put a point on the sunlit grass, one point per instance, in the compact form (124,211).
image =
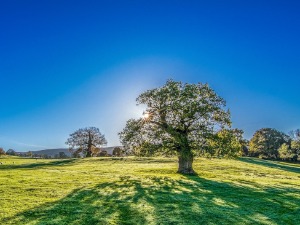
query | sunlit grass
(148,191)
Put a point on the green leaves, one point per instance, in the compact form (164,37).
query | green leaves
(266,142)
(227,143)
(177,113)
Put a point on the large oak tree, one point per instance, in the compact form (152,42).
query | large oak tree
(85,139)
(178,117)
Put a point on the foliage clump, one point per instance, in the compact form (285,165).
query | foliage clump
(266,142)
(270,143)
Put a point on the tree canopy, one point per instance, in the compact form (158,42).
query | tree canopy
(266,142)
(295,135)
(226,143)
(287,153)
(85,139)
(11,152)
(2,152)
(117,151)
(179,117)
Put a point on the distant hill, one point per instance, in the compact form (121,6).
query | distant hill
(56,151)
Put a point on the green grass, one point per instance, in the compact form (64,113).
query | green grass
(148,191)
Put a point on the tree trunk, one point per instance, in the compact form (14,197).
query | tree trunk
(89,150)
(185,163)
(88,153)
(185,155)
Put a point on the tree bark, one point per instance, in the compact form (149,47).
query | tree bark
(89,150)
(185,163)
(185,155)
(88,153)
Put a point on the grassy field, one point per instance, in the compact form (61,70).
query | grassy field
(148,191)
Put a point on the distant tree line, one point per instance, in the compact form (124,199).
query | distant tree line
(96,152)
(268,143)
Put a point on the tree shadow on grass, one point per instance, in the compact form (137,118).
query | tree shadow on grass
(273,164)
(153,200)
(62,162)
(139,159)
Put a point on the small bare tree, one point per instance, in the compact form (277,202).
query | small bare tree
(2,152)
(85,140)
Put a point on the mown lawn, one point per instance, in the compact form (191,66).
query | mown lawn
(148,191)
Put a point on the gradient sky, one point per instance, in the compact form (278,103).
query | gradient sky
(65,65)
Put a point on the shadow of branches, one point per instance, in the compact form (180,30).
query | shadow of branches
(153,200)
(62,162)
(273,164)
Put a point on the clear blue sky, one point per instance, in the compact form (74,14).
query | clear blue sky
(71,64)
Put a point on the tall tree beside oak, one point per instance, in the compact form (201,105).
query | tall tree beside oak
(227,143)
(266,142)
(295,143)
